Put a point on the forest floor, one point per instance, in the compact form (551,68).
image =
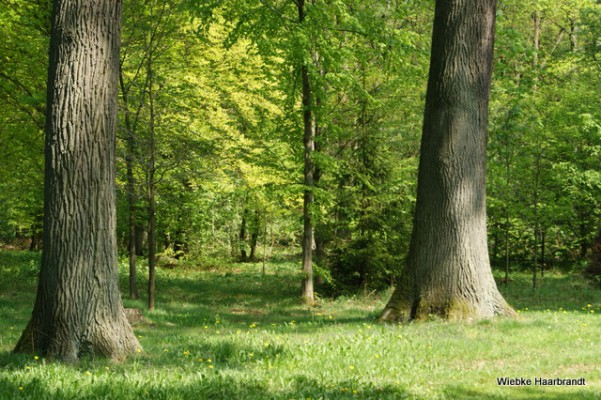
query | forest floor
(233,333)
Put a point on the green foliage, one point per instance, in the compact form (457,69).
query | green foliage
(228,127)
(366,264)
(213,107)
(543,154)
(24,28)
(365,148)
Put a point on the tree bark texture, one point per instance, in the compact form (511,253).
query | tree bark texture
(78,307)
(448,271)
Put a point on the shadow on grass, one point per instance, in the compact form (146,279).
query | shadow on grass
(519,393)
(202,383)
(238,299)
(204,386)
(11,361)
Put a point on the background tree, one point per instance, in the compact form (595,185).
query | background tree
(448,271)
(543,118)
(78,306)
(25,29)
(368,149)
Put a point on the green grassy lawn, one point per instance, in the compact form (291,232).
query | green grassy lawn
(235,334)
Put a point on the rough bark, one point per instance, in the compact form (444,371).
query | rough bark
(78,307)
(448,271)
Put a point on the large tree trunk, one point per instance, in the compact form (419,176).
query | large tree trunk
(78,307)
(448,271)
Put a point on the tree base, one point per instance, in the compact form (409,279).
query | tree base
(115,341)
(456,309)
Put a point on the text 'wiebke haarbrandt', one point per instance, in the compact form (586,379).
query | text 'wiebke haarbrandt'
(506,381)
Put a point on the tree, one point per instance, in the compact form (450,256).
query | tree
(78,307)
(448,270)
(285,28)
(543,156)
(150,41)
(367,149)
(309,170)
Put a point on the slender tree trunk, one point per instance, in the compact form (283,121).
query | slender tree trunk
(131,246)
(542,253)
(319,232)
(448,271)
(583,240)
(573,35)
(495,247)
(308,141)
(536,19)
(264,243)
(536,226)
(242,235)
(35,235)
(535,260)
(32,241)
(141,239)
(307,284)
(78,307)
(593,269)
(151,244)
(254,236)
(131,192)
(507,252)
(151,190)
(507,219)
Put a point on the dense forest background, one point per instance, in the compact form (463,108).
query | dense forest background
(210,141)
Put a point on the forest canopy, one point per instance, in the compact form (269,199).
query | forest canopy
(210,132)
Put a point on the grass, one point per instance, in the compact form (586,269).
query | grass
(232,333)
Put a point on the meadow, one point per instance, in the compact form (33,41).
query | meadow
(233,333)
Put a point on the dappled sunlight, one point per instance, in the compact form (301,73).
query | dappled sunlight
(235,333)
(343,335)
